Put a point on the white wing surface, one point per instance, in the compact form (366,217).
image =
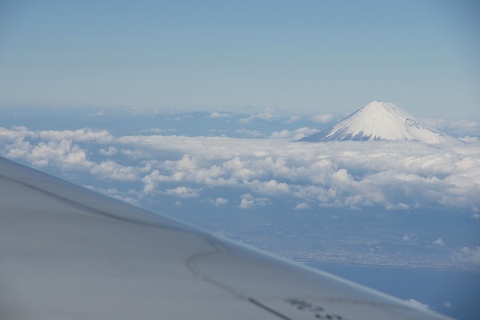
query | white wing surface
(69,253)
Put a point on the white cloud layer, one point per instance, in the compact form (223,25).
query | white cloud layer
(391,175)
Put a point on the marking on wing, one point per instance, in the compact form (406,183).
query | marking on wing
(272,311)
(217,248)
(316,311)
(220,248)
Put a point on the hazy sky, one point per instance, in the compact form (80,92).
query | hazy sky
(299,56)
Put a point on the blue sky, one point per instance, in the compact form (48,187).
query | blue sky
(308,56)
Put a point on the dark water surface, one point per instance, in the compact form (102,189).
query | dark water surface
(450,292)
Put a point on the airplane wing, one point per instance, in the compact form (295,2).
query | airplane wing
(67,252)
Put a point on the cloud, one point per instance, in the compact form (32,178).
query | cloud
(396,176)
(397,206)
(293,135)
(108,152)
(248,201)
(438,242)
(468,255)
(80,135)
(133,153)
(417,304)
(114,171)
(406,238)
(293,119)
(64,154)
(183,192)
(99,113)
(392,175)
(114,193)
(271,187)
(158,130)
(456,128)
(302,206)
(268,114)
(220,115)
(219,201)
(324,118)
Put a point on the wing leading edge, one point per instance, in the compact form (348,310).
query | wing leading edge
(69,253)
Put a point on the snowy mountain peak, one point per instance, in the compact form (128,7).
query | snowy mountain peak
(382,121)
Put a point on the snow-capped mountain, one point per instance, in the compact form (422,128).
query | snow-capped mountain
(382,121)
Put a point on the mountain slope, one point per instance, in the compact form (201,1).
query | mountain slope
(382,121)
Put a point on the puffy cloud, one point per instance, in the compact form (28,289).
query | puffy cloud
(220,115)
(293,119)
(108,152)
(468,255)
(397,206)
(324,118)
(219,201)
(183,192)
(396,175)
(100,113)
(132,153)
(63,154)
(293,135)
(393,175)
(267,115)
(248,201)
(80,135)
(271,187)
(438,242)
(55,148)
(417,304)
(406,238)
(114,171)
(158,130)
(302,206)
(457,128)
(114,193)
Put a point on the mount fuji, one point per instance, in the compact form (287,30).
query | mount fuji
(382,121)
